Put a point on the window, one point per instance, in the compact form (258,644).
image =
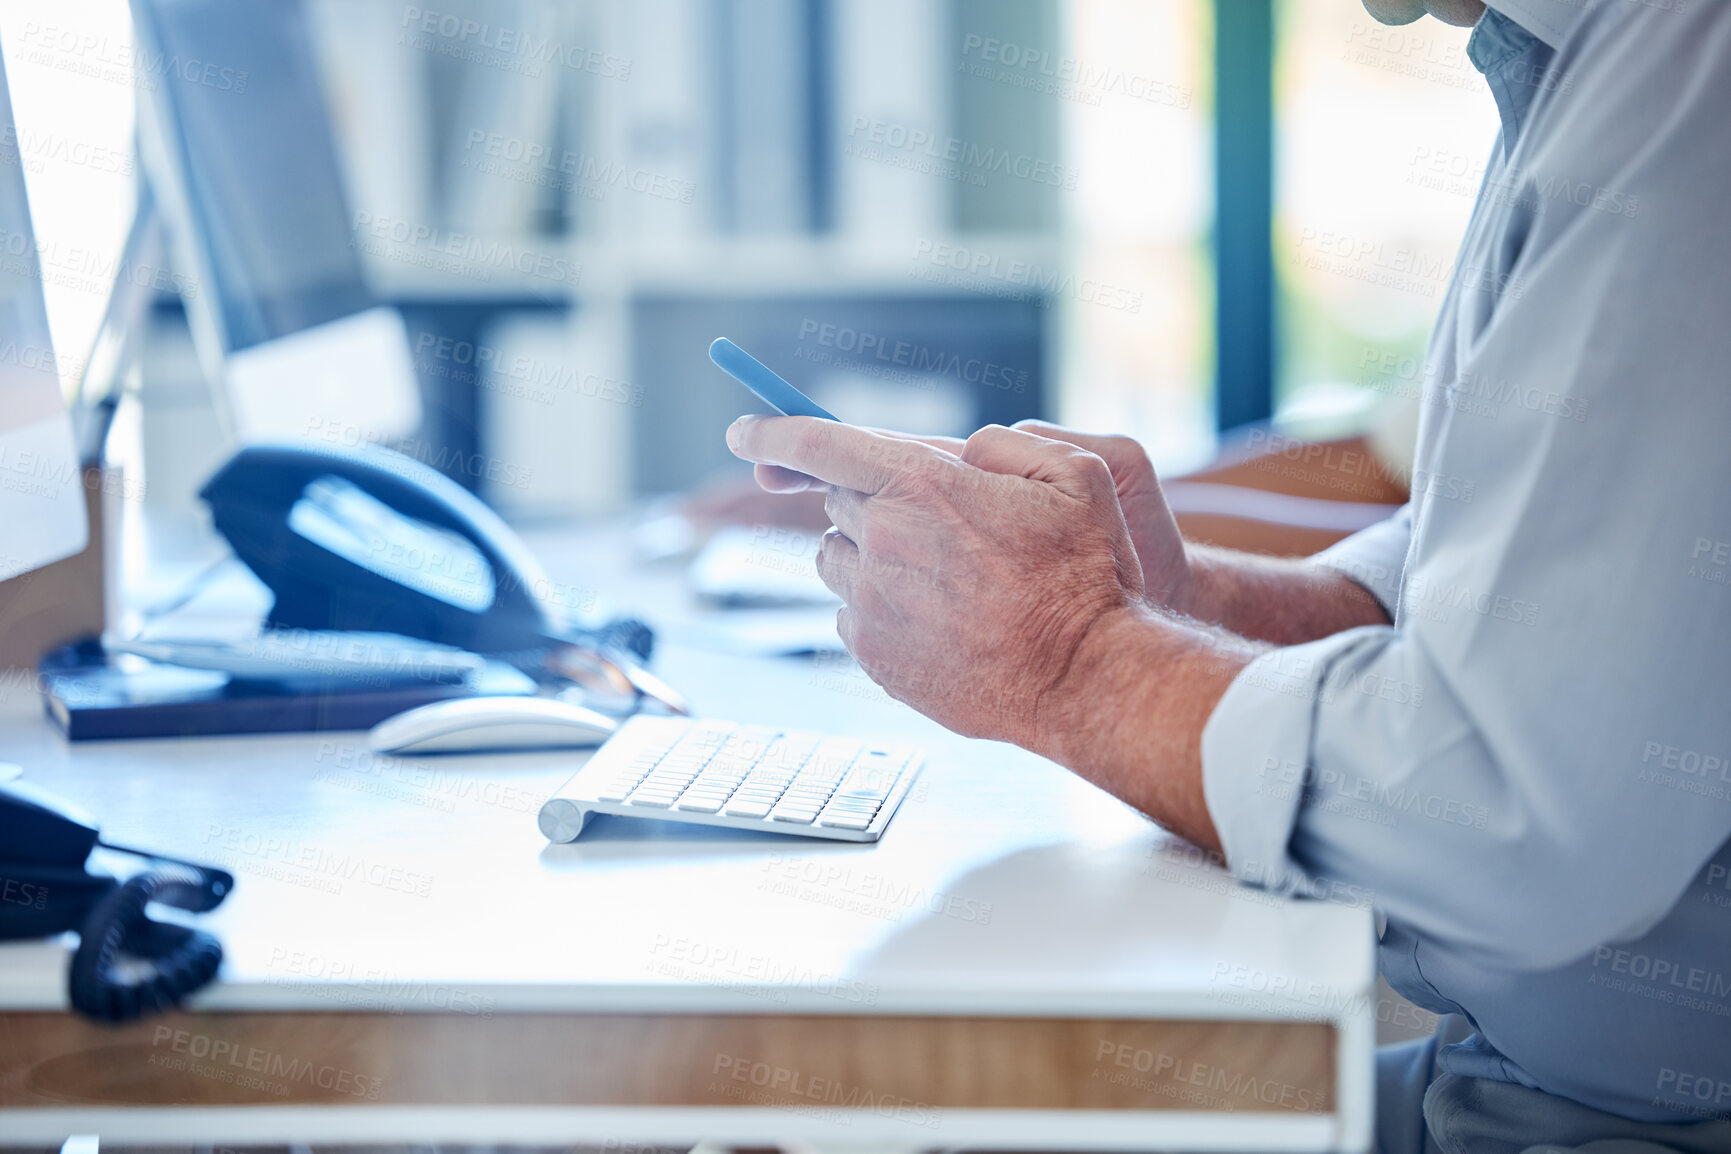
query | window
(1383,134)
(1138,357)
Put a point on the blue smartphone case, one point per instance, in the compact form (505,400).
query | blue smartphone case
(760,379)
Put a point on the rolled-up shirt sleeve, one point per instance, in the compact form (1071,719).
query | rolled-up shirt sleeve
(1535,758)
(1374,557)
(1525,822)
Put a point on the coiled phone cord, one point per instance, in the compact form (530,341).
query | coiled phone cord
(178,960)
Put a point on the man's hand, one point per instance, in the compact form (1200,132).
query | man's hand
(972,580)
(1166,572)
(1283,601)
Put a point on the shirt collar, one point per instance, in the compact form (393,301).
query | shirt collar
(1514,62)
(1549,20)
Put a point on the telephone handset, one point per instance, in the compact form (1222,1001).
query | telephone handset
(372,540)
(126,964)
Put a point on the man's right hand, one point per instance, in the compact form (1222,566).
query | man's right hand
(1166,571)
(1286,601)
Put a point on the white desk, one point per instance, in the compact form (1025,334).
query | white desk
(1021,963)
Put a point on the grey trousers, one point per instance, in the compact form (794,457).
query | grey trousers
(1420,1110)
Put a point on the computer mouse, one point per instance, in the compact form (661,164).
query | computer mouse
(472,724)
(37,828)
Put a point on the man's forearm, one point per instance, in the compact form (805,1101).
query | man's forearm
(1132,707)
(1287,601)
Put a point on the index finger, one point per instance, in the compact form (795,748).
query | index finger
(844,455)
(951,445)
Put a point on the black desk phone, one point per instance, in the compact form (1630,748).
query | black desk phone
(126,964)
(371,539)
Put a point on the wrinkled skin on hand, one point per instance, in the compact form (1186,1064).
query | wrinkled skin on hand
(970,578)
(1166,571)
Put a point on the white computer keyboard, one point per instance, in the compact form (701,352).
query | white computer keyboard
(739,776)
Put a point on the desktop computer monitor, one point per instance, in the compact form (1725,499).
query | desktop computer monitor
(239,147)
(42,511)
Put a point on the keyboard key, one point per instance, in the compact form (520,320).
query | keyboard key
(847,821)
(653,786)
(738,808)
(776,783)
(868,783)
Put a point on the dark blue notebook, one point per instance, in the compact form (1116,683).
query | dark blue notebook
(92,696)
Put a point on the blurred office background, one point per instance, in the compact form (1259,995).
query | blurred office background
(932,213)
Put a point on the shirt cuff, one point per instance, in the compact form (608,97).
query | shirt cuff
(1375,557)
(1256,756)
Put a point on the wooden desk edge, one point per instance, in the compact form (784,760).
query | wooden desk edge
(913,1066)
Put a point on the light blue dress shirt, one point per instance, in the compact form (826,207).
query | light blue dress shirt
(1531,769)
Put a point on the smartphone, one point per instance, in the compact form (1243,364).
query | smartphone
(763,381)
